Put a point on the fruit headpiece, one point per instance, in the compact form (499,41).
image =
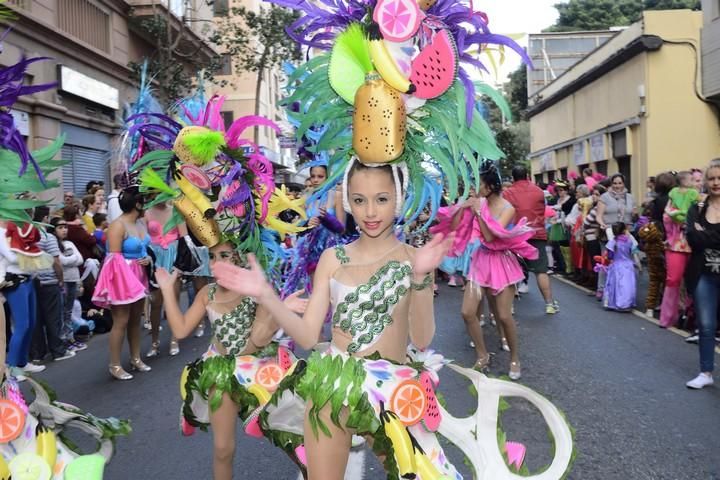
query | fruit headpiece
(226,186)
(391,84)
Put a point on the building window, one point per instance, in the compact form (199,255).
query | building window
(86,21)
(220,8)
(225,65)
(228,118)
(602,167)
(538,178)
(563,173)
(551,177)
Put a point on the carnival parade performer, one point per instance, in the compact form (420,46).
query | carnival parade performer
(377,273)
(31,444)
(393,107)
(235,376)
(122,285)
(164,247)
(494,266)
(231,379)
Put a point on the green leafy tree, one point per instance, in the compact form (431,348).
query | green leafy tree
(603,14)
(516,92)
(173,65)
(256,41)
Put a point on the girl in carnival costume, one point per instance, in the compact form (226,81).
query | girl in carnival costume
(30,441)
(376,288)
(494,266)
(241,367)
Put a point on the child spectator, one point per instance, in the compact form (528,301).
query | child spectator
(683,197)
(621,280)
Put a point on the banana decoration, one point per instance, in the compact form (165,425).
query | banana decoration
(195,196)
(4,469)
(425,467)
(262,395)
(401,441)
(46,444)
(280,202)
(183,383)
(384,63)
(205,229)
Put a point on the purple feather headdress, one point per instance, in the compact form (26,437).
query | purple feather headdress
(11,88)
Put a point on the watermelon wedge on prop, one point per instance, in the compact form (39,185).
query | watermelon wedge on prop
(398,19)
(435,68)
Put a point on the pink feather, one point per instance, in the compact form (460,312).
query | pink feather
(213,113)
(232,136)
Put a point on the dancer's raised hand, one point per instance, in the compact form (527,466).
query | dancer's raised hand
(295,303)
(165,279)
(250,282)
(429,257)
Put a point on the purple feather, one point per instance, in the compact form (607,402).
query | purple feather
(469,95)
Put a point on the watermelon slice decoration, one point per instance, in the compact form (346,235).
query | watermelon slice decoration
(432,416)
(399,20)
(283,358)
(196,176)
(435,68)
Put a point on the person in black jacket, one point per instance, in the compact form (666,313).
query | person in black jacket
(702,276)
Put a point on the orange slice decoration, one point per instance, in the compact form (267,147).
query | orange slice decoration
(12,421)
(408,402)
(269,376)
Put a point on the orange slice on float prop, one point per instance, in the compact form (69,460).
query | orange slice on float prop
(408,402)
(269,376)
(12,421)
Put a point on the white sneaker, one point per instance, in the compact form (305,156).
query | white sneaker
(702,380)
(695,338)
(200,331)
(32,368)
(68,354)
(650,313)
(523,287)
(482,319)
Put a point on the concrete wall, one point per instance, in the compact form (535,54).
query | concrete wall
(682,129)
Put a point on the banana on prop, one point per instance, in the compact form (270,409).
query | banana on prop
(401,442)
(206,230)
(425,467)
(195,196)
(384,62)
(183,382)
(46,444)
(4,469)
(262,395)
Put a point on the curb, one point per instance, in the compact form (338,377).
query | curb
(637,313)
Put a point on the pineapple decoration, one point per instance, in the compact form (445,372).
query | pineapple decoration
(363,73)
(378,122)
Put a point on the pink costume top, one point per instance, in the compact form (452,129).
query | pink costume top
(155,229)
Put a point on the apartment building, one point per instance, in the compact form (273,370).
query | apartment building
(90,44)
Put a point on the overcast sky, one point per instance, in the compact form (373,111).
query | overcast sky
(517,16)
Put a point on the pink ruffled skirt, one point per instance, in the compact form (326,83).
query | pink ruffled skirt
(495,269)
(121,282)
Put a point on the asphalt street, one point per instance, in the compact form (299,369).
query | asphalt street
(619,379)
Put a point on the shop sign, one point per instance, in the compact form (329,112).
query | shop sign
(546,162)
(22,122)
(287,141)
(597,148)
(579,153)
(81,85)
